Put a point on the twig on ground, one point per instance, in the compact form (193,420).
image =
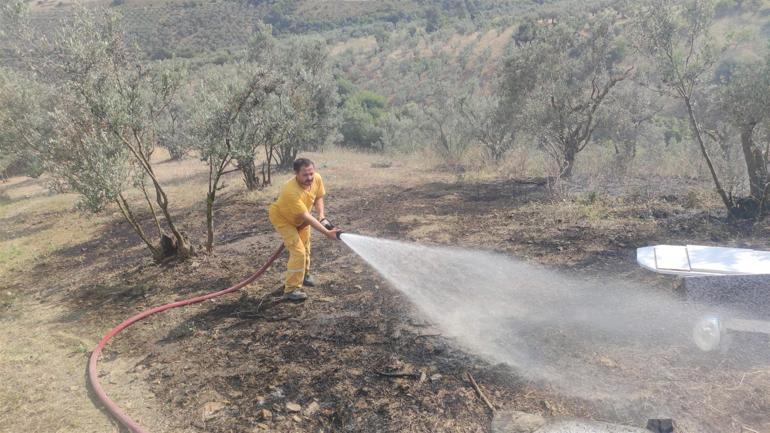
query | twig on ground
(426,335)
(746,429)
(398,374)
(480,392)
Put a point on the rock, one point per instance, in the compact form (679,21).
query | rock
(293,407)
(516,422)
(661,425)
(296,418)
(210,409)
(261,400)
(311,409)
(584,426)
(607,362)
(264,414)
(260,426)
(435,377)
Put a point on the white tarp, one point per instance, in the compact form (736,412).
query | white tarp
(702,260)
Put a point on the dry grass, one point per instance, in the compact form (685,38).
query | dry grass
(35,224)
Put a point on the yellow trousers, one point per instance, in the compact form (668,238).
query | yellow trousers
(297,242)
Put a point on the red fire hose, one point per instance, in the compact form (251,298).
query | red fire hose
(92,372)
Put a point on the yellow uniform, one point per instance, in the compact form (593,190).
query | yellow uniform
(286,216)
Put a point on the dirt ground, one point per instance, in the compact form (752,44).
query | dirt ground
(246,363)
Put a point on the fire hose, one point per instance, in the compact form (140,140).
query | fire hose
(93,376)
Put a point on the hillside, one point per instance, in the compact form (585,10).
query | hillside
(378,45)
(192,28)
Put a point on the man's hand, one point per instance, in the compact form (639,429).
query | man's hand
(326,223)
(311,221)
(332,234)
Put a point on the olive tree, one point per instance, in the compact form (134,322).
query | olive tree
(446,126)
(309,99)
(490,123)
(561,80)
(103,113)
(303,111)
(24,125)
(676,38)
(228,121)
(626,122)
(746,100)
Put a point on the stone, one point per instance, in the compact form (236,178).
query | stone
(516,422)
(264,415)
(607,362)
(210,409)
(660,425)
(311,409)
(586,426)
(293,407)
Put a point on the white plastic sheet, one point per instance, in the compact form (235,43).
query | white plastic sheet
(703,260)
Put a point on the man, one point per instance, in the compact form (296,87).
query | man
(291,217)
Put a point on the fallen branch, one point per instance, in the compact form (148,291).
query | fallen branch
(479,392)
(398,374)
(426,335)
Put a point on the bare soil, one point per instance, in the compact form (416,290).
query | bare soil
(241,362)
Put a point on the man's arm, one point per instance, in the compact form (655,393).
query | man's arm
(310,220)
(319,205)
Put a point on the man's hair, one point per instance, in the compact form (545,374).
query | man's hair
(301,163)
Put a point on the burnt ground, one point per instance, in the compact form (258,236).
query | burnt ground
(241,362)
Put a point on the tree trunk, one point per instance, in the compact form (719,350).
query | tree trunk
(699,138)
(122,203)
(570,152)
(210,197)
(286,156)
(249,171)
(152,209)
(183,247)
(755,163)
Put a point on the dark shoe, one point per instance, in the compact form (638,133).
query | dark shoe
(308,281)
(296,295)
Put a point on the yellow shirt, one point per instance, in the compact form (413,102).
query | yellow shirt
(294,200)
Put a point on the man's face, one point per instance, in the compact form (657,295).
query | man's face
(305,175)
